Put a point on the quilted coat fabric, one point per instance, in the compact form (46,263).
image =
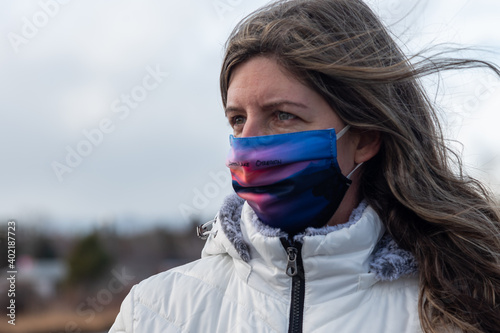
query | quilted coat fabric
(355,280)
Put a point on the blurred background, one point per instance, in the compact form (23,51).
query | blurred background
(113,137)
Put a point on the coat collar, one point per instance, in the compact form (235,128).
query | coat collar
(238,232)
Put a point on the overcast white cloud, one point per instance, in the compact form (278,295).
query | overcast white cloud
(68,74)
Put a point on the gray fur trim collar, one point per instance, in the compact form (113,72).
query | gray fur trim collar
(389,262)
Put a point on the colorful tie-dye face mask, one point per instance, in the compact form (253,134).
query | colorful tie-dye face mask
(292,181)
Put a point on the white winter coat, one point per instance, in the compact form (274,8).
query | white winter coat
(350,284)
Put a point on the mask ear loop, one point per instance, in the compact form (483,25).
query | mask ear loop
(356,168)
(342,132)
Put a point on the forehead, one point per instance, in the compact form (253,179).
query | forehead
(263,77)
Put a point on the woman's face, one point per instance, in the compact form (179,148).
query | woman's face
(264,99)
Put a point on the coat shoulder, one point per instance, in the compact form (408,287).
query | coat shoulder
(168,301)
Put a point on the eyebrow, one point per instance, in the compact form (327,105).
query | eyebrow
(231,109)
(269,106)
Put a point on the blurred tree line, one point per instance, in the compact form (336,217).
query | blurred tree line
(91,261)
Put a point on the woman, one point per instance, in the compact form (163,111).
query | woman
(349,216)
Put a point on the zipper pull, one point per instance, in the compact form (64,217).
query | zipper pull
(291,267)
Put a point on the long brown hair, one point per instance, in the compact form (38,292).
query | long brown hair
(416,184)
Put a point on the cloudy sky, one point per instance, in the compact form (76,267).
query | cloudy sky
(110,110)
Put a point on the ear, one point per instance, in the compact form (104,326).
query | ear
(368,145)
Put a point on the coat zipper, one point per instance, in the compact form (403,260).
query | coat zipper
(295,269)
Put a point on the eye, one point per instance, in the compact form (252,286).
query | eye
(237,120)
(285,116)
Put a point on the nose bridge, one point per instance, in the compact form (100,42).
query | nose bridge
(254,125)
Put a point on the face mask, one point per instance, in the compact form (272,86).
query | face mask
(292,181)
